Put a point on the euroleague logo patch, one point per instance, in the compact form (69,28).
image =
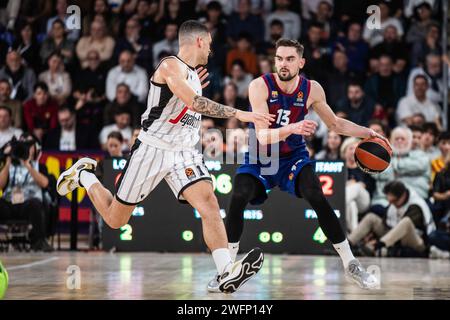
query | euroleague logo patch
(190,174)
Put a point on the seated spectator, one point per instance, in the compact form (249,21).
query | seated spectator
(417,132)
(357,187)
(136,131)
(386,88)
(276,30)
(240,77)
(134,42)
(146,11)
(432,70)
(124,100)
(58,81)
(242,20)
(7,131)
(265,66)
(417,31)
(40,112)
(101,8)
(412,167)
(230,97)
(408,220)
(57,41)
(324,16)
(14,106)
(418,102)
(62,14)
(169,12)
(28,47)
(98,40)
(21,78)
(431,44)
(438,163)
(291,20)
(243,52)
(379,127)
(168,45)
(357,106)
(92,79)
(129,73)
(391,46)
(69,135)
(121,124)
(332,148)
(373,35)
(22,182)
(317,53)
(428,141)
(355,47)
(202,5)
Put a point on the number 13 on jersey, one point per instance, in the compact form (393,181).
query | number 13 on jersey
(283,117)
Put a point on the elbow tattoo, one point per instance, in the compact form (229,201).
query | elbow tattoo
(211,108)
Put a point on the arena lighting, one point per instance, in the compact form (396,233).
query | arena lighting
(126,234)
(277,237)
(319,236)
(187,235)
(264,237)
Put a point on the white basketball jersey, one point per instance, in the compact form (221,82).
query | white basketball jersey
(168,123)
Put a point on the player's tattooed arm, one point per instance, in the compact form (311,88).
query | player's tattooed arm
(211,108)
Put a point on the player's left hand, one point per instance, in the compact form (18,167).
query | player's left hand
(203,75)
(373,134)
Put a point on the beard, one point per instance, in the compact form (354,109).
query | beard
(286,78)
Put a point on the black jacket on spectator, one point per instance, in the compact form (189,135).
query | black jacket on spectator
(336,83)
(360,115)
(87,79)
(386,91)
(144,56)
(83,138)
(133,106)
(396,50)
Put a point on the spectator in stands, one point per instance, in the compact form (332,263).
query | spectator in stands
(265,66)
(168,45)
(317,53)
(21,78)
(7,131)
(291,20)
(100,8)
(412,167)
(432,70)
(379,127)
(62,14)
(170,12)
(357,187)
(202,5)
(417,30)
(240,77)
(57,41)
(58,81)
(129,73)
(408,220)
(324,16)
(338,78)
(230,97)
(438,163)
(134,42)
(40,112)
(418,102)
(243,52)
(332,150)
(98,40)
(392,46)
(22,182)
(441,195)
(123,100)
(14,106)
(69,135)
(374,35)
(121,124)
(28,47)
(417,132)
(136,131)
(431,44)
(355,47)
(276,30)
(428,140)
(146,12)
(386,88)
(357,106)
(242,20)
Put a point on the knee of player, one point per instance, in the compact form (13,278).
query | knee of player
(116,223)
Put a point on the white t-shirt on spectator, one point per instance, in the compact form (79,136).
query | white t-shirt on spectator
(8,134)
(136,80)
(433,95)
(164,45)
(291,22)
(67,141)
(409,106)
(127,134)
(375,36)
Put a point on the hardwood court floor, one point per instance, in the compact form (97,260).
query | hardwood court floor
(184,276)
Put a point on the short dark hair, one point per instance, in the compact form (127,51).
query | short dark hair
(277,22)
(115,135)
(444,136)
(431,127)
(190,28)
(396,188)
(41,85)
(120,111)
(214,5)
(416,128)
(5,81)
(66,108)
(8,110)
(290,43)
(420,76)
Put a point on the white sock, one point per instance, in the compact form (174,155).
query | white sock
(88,179)
(234,249)
(221,259)
(344,251)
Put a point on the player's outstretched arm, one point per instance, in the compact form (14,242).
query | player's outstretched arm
(258,100)
(173,75)
(334,123)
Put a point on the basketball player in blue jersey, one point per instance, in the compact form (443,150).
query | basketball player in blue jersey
(289,96)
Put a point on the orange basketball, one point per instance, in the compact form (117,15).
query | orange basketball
(373,155)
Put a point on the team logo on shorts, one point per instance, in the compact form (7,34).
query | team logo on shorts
(190,174)
(291,176)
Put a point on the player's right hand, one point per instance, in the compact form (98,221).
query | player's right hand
(305,128)
(260,119)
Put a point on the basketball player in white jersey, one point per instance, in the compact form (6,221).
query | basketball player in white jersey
(165,149)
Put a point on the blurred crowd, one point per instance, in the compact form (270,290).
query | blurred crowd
(82,84)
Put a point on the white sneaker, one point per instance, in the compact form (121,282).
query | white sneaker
(213,284)
(69,180)
(239,272)
(357,274)
(436,253)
